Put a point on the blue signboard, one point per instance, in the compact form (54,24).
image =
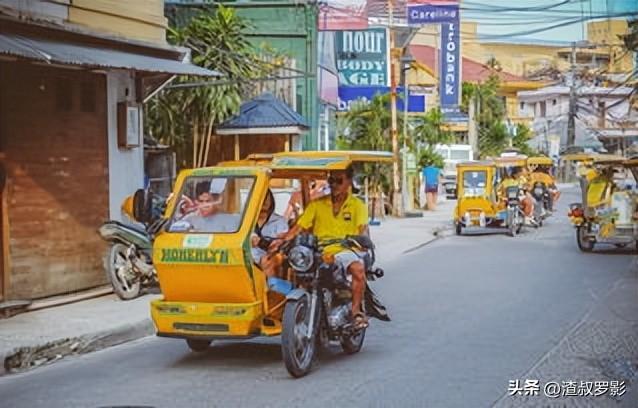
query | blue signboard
(350,94)
(450,78)
(432,14)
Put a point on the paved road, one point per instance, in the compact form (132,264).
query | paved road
(470,314)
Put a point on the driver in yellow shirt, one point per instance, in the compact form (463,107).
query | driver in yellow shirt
(335,217)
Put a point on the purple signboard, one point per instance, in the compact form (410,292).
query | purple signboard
(419,14)
(450,69)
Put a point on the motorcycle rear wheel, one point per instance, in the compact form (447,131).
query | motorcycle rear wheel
(353,344)
(298,352)
(584,244)
(115,260)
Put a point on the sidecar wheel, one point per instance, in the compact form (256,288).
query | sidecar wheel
(115,262)
(298,352)
(198,346)
(353,344)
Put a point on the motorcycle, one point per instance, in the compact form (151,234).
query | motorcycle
(543,198)
(319,310)
(515,216)
(128,262)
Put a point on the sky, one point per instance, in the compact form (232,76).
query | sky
(496,23)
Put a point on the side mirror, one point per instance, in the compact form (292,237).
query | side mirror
(143,206)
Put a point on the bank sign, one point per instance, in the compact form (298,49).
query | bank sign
(450,80)
(363,57)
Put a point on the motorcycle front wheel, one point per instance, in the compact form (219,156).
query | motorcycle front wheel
(116,270)
(297,350)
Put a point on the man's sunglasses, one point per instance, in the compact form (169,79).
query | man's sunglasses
(332,180)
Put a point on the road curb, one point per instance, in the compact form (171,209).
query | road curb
(437,233)
(26,358)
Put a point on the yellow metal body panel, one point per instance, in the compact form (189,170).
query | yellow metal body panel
(207,319)
(486,202)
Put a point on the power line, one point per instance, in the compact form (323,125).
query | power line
(490,7)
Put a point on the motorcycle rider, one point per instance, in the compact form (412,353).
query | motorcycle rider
(337,216)
(541,175)
(517,179)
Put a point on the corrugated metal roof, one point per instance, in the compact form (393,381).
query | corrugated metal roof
(265,111)
(81,55)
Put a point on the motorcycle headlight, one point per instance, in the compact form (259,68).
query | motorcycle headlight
(538,191)
(301,258)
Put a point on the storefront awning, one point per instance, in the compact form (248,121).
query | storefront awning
(93,57)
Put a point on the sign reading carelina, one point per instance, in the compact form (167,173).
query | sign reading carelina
(446,13)
(362,57)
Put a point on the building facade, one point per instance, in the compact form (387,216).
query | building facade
(73,77)
(287,26)
(604,117)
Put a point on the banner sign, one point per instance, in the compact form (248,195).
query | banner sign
(449,80)
(335,15)
(362,57)
(350,94)
(432,14)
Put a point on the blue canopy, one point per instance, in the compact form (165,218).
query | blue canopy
(265,112)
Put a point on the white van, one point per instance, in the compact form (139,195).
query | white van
(453,154)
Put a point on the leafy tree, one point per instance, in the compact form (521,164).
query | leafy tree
(493,134)
(184,118)
(367,126)
(431,130)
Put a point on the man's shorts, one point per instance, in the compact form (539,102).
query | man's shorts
(346,258)
(432,189)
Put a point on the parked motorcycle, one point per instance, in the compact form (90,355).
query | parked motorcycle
(319,310)
(128,262)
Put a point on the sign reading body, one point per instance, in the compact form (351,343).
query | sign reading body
(450,81)
(362,57)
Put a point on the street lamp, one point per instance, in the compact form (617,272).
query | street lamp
(406,64)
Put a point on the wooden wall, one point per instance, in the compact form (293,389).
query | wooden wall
(139,19)
(53,133)
(223,147)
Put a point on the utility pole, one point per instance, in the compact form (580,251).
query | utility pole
(397,207)
(571,121)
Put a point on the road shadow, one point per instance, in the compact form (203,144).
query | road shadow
(237,354)
(254,354)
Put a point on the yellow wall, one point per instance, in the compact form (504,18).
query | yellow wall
(522,59)
(134,19)
(607,33)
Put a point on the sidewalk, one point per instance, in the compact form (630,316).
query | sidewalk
(41,337)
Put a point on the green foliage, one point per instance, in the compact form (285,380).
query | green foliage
(493,133)
(180,117)
(430,131)
(367,126)
(429,157)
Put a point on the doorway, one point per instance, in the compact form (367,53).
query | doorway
(3,250)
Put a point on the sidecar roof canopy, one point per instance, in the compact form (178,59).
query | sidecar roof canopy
(327,160)
(540,161)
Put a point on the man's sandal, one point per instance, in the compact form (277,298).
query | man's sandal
(360,321)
